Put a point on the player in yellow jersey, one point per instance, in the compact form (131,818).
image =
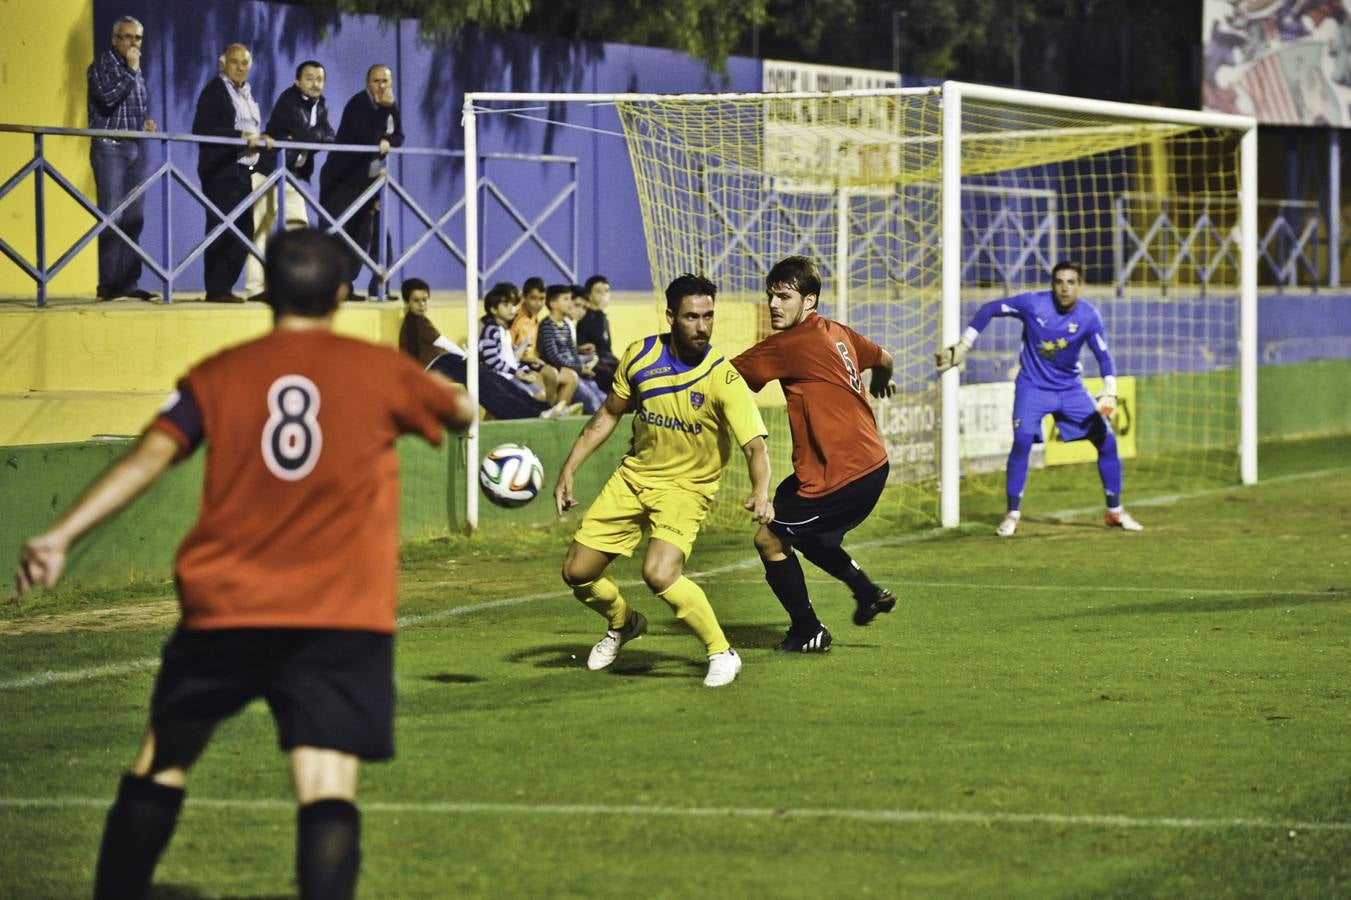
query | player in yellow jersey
(689,405)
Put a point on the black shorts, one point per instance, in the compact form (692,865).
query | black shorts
(326,688)
(825,519)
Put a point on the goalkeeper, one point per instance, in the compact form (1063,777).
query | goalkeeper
(1056,325)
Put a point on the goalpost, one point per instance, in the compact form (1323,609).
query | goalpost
(920,204)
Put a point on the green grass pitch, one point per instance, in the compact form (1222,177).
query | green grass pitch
(1072,712)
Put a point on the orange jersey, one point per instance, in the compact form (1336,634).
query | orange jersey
(820,363)
(525,336)
(299,519)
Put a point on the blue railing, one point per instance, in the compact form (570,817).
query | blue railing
(1161,240)
(430,228)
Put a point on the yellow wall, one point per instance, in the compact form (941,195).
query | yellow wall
(143,347)
(74,371)
(44,51)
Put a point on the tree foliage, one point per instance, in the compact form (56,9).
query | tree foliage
(1141,50)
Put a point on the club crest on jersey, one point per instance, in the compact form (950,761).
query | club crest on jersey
(696,399)
(1073,327)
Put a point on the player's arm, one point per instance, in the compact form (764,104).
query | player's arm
(596,432)
(954,355)
(42,558)
(880,384)
(757,464)
(466,410)
(1097,342)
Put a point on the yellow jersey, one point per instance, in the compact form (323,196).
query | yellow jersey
(686,418)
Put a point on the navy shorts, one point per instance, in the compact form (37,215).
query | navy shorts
(825,519)
(326,688)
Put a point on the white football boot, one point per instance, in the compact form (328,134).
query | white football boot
(607,649)
(722,668)
(1122,519)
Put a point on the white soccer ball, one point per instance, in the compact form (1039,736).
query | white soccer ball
(511,475)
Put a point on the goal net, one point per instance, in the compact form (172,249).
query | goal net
(1148,207)
(870,183)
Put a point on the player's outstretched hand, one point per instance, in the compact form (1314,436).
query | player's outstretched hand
(1107,404)
(40,562)
(760,508)
(563,499)
(882,389)
(951,356)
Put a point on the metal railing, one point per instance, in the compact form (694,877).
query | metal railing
(385,185)
(1162,240)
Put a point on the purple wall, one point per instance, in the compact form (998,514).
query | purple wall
(182,42)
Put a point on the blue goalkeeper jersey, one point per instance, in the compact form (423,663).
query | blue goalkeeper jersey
(1051,339)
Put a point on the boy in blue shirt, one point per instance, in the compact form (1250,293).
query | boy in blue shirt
(1056,326)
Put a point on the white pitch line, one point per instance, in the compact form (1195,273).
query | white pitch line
(893,816)
(48,678)
(1100,588)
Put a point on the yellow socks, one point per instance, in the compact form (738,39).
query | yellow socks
(691,607)
(602,595)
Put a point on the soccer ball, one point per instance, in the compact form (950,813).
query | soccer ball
(511,475)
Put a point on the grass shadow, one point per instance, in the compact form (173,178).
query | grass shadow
(452,678)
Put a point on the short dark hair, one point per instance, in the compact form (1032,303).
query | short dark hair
(688,285)
(1066,265)
(371,70)
(305,269)
(413,284)
(308,64)
(579,291)
(554,291)
(797,273)
(533,283)
(502,292)
(593,281)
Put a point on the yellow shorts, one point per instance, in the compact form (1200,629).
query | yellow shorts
(619,515)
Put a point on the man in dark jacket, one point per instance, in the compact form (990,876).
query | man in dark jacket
(226,108)
(370,117)
(300,114)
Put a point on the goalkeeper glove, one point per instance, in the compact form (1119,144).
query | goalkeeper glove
(1107,404)
(952,355)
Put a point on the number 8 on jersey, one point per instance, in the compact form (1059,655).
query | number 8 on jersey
(292,438)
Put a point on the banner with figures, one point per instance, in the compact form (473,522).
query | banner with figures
(1285,62)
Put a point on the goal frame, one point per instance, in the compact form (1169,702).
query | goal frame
(952,94)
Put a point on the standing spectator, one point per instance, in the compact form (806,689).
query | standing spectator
(288,580)
(558,386)
(557,348)
(593,330)
(370,117)
(690,407)
(300,114)
(226,108)
(1057,325)
(839,461)
(119,101)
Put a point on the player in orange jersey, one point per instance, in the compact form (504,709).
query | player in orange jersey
(839,462)
(288,579)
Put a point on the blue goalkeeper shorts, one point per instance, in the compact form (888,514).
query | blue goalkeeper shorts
(1074,410)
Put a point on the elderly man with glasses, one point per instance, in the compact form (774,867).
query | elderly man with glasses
(119,101)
